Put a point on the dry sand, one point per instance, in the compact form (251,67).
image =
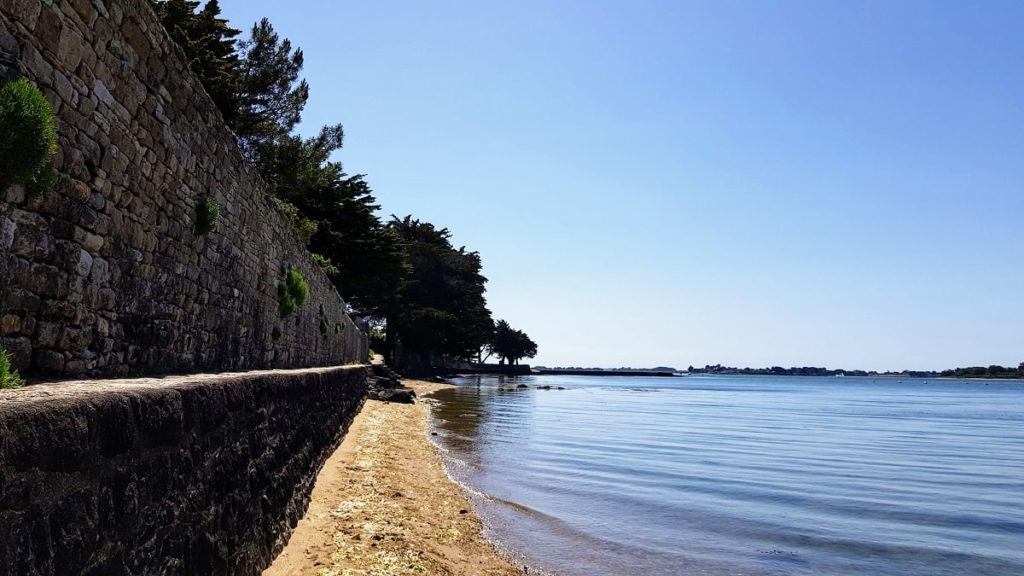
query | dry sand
(383,506)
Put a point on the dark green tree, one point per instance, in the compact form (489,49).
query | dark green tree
(271,95)
(210,45)
(369,256)
(512,345)
(440,309)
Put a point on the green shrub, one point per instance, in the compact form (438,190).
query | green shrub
(289,210)
(291,292)
(329,268)
(325,325)
(28,136)
(207,212)
(339,328)
(304,226)
(9,378)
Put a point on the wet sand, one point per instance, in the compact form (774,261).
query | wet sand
(383,506)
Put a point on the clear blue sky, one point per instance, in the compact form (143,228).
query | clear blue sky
(674,183)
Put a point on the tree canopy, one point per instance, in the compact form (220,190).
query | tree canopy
(210,46)
(440,308)
(512,345)
(404,274)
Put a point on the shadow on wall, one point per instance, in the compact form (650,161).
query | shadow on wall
(200,476)
(123,267)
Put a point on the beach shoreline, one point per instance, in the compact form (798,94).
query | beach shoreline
(383,504)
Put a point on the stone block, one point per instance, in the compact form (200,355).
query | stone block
(75,339)
(15,194)
(31,242)
(85,261)
(47,333)
(64,90)
(86,11)
(7,230)
(48,360)
(100,271)
(88,240)
(10,324)
(34,62)
(101,92)
(46,280)
(20,300)
(19,348)
(49,26)
(71,47)
(25,11)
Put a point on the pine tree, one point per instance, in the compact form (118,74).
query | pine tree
(271,95)
(211,48)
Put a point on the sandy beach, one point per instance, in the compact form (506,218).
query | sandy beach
(383,506)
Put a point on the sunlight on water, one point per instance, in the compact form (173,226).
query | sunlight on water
(745,475)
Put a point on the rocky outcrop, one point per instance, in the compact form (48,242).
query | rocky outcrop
(182,475)
(107,275)
(386,386)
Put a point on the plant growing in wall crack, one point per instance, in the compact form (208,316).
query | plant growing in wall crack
(303,226)
(9,378)
(291,292)
(332,271)
(207,213)
(28,137)
(325,324)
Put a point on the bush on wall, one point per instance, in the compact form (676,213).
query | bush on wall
(291,292)
(28,136)
(207,212)
(303,226)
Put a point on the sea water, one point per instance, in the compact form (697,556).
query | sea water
(732,475)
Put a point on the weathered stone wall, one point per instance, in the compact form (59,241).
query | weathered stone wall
(182,475)
(105,275)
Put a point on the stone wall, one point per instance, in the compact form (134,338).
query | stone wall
(106,275)
(181,475)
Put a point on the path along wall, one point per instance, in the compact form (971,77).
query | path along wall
(182,475)
(106,275)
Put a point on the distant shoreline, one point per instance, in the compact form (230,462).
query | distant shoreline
(658,373)
(600,372)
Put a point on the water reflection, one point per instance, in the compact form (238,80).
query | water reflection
(462,412)
(755,476)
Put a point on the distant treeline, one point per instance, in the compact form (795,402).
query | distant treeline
(619,369)
(800,371)
(993,371)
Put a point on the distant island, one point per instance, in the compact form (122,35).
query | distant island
(993,371)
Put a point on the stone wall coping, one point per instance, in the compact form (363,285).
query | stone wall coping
(47,393)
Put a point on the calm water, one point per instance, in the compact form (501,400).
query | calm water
(745,475)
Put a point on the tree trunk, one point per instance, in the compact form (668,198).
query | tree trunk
(390,337)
